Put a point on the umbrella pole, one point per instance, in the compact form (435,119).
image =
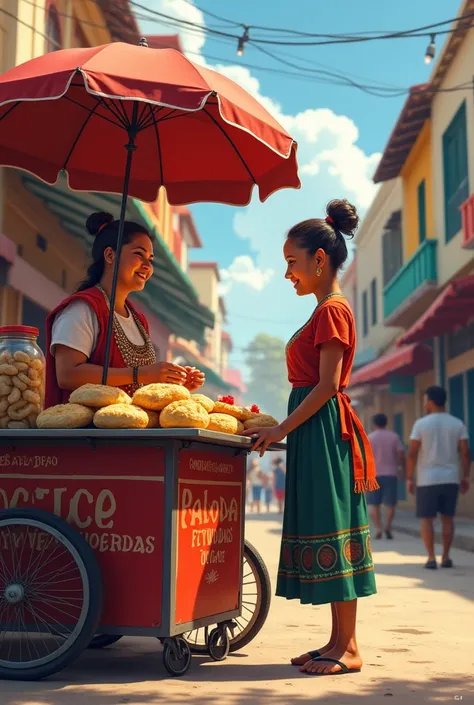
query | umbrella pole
(130,147)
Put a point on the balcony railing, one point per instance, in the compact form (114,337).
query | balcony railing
(418,273)
(467,213)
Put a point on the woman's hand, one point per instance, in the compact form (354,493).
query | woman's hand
(194,379)
(265,436)
(164,372)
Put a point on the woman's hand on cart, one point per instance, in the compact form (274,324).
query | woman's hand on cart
(194,379)
(263,437)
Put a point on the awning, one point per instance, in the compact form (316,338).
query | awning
(169,294)
(407,361)
(453,309)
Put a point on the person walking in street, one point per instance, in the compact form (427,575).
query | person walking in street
(279,479)
(255,479)
(389,455)
(267,481)
(325,554)
(439,449)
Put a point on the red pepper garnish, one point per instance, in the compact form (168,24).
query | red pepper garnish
(255,409)
(228,400)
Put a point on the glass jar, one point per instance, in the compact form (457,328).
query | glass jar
(22,377)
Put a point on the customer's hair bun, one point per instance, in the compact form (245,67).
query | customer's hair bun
(96,221)
(344,216)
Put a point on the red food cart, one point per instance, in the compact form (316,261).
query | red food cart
(110,533)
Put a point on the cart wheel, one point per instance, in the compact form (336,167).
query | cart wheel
(100,641)
(256,598)
(50,594)
(219,643)
(176,656)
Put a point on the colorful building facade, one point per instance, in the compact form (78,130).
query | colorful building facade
(425,334)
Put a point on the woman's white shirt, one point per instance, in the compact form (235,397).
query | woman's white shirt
(77,327)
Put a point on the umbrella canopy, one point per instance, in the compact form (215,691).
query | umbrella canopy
(193,130)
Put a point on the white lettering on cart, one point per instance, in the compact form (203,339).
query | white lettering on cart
(210,466)
(84,510)
(197,512)
(28,461)
(210,557)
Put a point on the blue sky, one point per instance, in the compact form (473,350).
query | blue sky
(340,130)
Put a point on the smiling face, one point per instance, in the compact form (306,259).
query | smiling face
(302,266)
(136,262)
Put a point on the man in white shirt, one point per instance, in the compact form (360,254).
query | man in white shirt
(439,450)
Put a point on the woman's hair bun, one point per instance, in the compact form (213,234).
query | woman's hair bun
(96,221)
(344,215)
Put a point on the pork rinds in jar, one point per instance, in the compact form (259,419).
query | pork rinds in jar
(5,389)
(4,406)
(32,420)
(5,379)
(18,424)
(6,358)
(20,356)
(21,366)
(20,410)
(14,396)
(20,383)
(32,397)
(7,369)
(36,365)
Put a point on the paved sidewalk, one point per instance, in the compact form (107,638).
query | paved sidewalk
(407,523)
(415,636)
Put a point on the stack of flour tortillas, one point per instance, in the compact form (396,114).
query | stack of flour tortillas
(152,406)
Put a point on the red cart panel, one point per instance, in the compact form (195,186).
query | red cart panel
(114,496)
(209,534)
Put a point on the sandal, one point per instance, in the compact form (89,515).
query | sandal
(312,655)
(431,565)
(344,669)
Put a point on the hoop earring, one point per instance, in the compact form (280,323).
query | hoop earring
(319,271)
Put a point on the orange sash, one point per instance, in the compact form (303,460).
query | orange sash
(364,471)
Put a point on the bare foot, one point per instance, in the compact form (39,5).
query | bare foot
(304,658)
(350,659)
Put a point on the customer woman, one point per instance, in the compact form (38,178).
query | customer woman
(325,554)
(77,328)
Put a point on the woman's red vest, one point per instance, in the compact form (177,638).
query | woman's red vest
(96,300)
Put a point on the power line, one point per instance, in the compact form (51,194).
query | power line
(311,75)
(327,38)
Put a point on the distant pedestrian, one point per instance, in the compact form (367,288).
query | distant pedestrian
(255,479)
(439,449)
(279,479)
(389,455)
(267,481)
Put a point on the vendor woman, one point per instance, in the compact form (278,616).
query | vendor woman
(77,328)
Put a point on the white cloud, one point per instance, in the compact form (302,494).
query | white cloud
(332,165)
(243,270)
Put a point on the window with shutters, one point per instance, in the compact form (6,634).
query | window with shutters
(392,247)
(373,301)
(455,171)
(365,314)
(422,211)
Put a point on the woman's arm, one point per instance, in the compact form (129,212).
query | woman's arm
(73,370)
(330,367)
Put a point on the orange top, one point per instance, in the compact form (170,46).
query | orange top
(333,320)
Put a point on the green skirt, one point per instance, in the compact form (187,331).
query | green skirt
(325,551)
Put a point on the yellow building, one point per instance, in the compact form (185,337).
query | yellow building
(427,266)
